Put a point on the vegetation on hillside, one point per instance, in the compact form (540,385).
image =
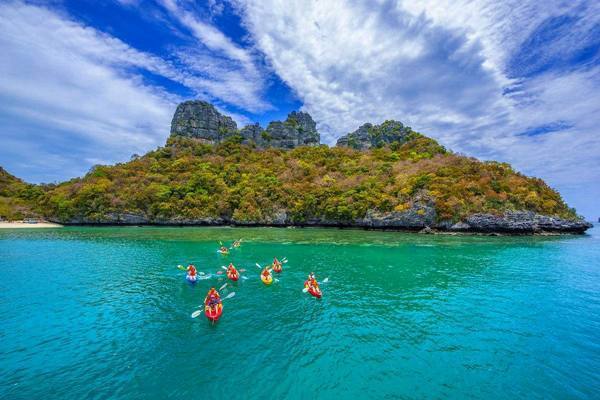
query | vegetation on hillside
(17,198)
(189,180)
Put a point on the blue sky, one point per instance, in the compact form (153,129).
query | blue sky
(87,82)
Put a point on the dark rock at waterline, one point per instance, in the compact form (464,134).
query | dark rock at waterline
(421,214)
(523,222)
(420,217)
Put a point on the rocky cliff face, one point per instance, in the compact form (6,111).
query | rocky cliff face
(369,135)
(200,120)
(421,218)
(298,129)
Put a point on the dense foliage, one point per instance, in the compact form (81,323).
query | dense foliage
(190,180)
(17,198)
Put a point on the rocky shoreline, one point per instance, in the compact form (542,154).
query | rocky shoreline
(511,223)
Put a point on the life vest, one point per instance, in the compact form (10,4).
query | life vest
(191,270)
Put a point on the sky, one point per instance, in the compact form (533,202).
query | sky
(88,82)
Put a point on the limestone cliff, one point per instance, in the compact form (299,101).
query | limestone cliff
(369,135)
(200,120)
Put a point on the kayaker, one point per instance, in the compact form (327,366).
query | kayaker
(223,249)
(231,269)
(276,262)
(237,243)
(191,270)
(312,280)
(266,273)
(212,298)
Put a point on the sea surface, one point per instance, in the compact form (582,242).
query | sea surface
(104,313)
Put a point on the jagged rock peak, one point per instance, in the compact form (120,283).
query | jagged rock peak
(298,129)
(199,119)
(369,135)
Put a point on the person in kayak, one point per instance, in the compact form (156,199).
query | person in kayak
(212,299)
(237,243)
(276,265)
(191,270)
(224,249)
(231,270)
(266,272)
(312,280)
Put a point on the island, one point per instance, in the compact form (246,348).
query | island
(384,176)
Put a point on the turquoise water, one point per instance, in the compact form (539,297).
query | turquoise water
(100,313)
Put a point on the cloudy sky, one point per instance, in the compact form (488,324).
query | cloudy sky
(87,82)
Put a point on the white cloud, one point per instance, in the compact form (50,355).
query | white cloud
(61,81)
(229,72)
(60,76)
(442,67)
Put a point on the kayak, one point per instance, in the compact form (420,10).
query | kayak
(234,276)
(213,313)
(266,280)
(312,290)
(224,252)
(277,268)
(191,279)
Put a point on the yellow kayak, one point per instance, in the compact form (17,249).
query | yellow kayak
(266,280)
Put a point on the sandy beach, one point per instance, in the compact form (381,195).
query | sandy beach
(20,224)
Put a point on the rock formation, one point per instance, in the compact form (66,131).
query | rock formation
(200,120)
(369,135)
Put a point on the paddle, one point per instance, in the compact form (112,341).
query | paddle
(226,269)
(181,267)
(196,313)
(270,269)
(305,290)
(221,272)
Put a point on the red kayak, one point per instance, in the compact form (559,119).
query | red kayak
(233,275)
(314,290)
(213,312)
